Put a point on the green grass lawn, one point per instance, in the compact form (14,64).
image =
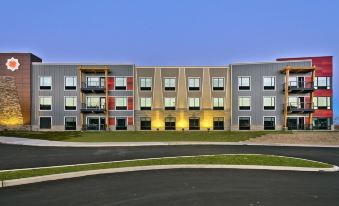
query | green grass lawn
(140,136)
(227,159)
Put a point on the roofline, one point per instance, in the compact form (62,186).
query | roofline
(82,64)
(273,62)
(174,67)
(307,57)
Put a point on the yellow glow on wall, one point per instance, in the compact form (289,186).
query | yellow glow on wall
(157,121)
(182,121)
(207,120)
(12,121)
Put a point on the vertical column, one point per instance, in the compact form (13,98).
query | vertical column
(106,101)
(182,89)
(81,96)
(157,89)
(206,90)
(287,75)
(310,117)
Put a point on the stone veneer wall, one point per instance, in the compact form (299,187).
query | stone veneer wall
(10,109)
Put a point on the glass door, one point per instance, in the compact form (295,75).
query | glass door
(92,123)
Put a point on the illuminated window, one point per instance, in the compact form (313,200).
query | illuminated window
(194,103)
(170,103)
(322,83)
(218,83)
(120,83)
(45,103)
(244,83)
(146,84)
(45,83)
(121,103)
(269,83)
(70,83)
(145,103)
(169,84)
(193,84)
(322,102)
(218,103)
(244,103)
(269,103)
(70,103)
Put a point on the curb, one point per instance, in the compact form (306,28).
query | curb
(29,180)
(48,143)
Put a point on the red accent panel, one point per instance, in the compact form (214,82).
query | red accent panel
(111,121)
(111,103)
(129,83)
(323,93)
(130,103)
(110,83)
(307,99)
(130,120)
(323,113)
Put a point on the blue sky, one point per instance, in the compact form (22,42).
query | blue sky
(171,32)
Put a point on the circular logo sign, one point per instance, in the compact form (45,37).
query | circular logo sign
(12,64)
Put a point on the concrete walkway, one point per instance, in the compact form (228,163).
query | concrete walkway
(48,143)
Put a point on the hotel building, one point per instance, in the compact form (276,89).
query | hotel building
(289,93)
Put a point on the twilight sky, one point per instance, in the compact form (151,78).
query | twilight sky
(171,32)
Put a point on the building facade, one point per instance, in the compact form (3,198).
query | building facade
(290,93)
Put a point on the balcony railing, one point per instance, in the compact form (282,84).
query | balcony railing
(85,108)
(299,86)
(308,127)
(93,87)
(300,107)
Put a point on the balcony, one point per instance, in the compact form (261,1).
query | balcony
(300,108)
(93,87)
(92,108)
(299,87)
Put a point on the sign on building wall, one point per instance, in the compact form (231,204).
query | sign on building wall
(12,64)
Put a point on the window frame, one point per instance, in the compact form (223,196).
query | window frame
(76,123)
(243,106)
(40,122)
(145,107)
(275,83)
(250,87)
(76,103)
(40,83)
(219,107)
(239,122)
(76,83)
(140,85)
(169,89)
(194,107)
(121,108)
(171,127)
(328,103)
(193,90)
(170,107)
(328,82)
(120,88)
(275,103)
(40,103)
(146,128)
(275,122)
(223,84)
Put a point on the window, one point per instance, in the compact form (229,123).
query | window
(194,123)
(70,103)
(70,123)
(322,83)
(193,103)
(218,123)
(170,103)
(145,123)
(97,82)
(70,83)
(45,83)
(269,83)
(269,103)
(218,83)
(170,123)
(244,103)
(193,84)
(244,123)
(45,122)
(218,103)
(145,103)
(121,103)
(244,83)
(269,123)
(322,102)
(169,84)
(96,102)
(121,123)
(145,84)
(45,103)
(120,83)
(322,123)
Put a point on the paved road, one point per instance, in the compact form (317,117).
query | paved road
(15,156)
(183,187)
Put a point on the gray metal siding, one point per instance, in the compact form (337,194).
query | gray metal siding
(257,71)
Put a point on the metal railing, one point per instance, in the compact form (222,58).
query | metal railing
(300,107)
(94,127)
(93,85)
(93,108)
(302,86)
